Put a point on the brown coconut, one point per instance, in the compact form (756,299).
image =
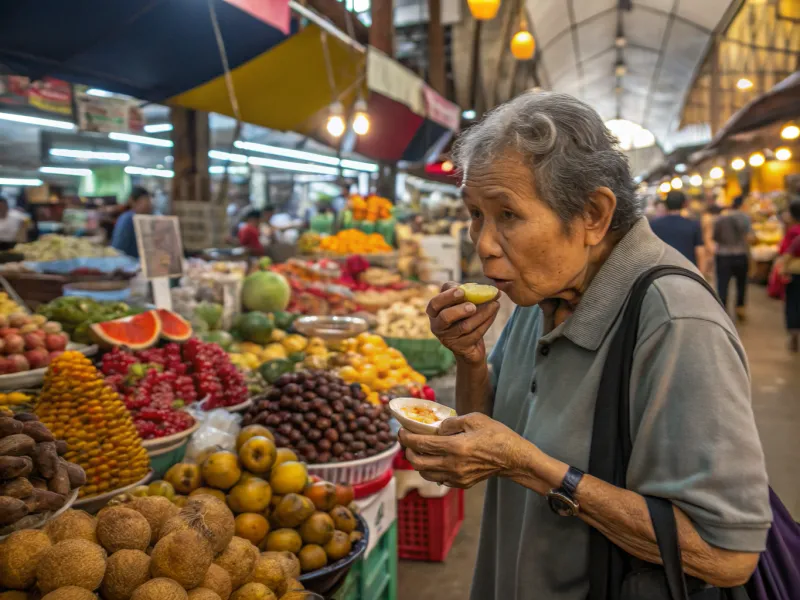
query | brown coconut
(218,580)
(290,562)
(202,593)
(79,563)
(72,525)
(254,591)
(126,570)
(14,595)
(70,593)
(183,556)
(269,571)
(122,528)
(19,556)
(208,516)
(159,589)
(238,559)
(157,510)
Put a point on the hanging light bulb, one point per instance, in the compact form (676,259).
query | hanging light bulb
(361,118)
(783,153)
(676,183)
(756,159)
(484,10)
(737,164)
(716,173)
(665,187)
(335,125)
(790,131)
(523,44)
(744,84)
(696,180)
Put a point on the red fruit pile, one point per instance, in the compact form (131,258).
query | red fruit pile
(29,342)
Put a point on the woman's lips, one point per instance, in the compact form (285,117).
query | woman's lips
(501,284)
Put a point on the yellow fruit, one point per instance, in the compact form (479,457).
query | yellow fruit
(288,477)
(479,294)
(294,343)
(221,470)
(273,352)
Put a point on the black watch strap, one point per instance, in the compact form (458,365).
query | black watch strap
(571,481)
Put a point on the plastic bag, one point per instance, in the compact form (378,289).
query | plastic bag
(218,431)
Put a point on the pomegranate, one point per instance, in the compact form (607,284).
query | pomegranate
(6,366)
(7,331)
(19,362)
(52,327)
(55,342)
(14,344)
(37,358)
(18,319)
(33,341)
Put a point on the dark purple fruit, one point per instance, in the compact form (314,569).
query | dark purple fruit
(300,377)
(383,426)
(305,426)
(313,435)
(371,428)
(292,389)
(336,419)
(285,428)
(323,390)
(324,445)
(261,418)
(326,411)
(341,427)
(273,420)
(247,420)
(371,440)
(334,395)
(357,446)
(347,456)
(309,385)
(311,417)
(349,415)
(319,404)
(360,435)
(297,403)
(295,436)
(338,449)
(281,441)
(311,454)
(371,452)
(274,394)
(361,410)
(337,406)
(296,419)
(385,416)
(285,380)
(347,438)
(323,423)
(262,405)
(310,396)
(359,455)
(332,435)
(382,437)
(352,426)
(274,406)
(362,422)
(305,406)
(286,402)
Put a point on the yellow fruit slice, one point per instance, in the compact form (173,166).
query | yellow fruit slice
(477,293)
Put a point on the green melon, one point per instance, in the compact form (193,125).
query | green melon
(265,291)
(256,327)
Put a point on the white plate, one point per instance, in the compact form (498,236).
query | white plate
(93,504)
(162,442)
(47,517)
(398,405)
(35,377)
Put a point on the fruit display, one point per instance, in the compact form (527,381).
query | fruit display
(59,247)
(368,360)
(405,320)
(135,332)
(354,241)
(146,548)
(8,306)
(174,376)
(77,405)
(308,243)
(281,346)
(35,478)
(29,342)
(205,283)
(371,208)
(265,291)
(12,399)
(322,418)
(76,314)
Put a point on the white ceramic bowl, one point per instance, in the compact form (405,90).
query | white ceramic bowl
(398,407)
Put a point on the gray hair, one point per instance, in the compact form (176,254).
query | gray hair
(567,147)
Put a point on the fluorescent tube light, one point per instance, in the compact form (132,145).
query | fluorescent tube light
(36,121)
(99,93)
(359,166)
(140,139)
(19,181)
(292,166)
(158,127)
(90,154)
(219,169)
(310,156)
(219,155)
(65,171)
(149,172)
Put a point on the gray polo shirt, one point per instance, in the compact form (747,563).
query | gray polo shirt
(695,440)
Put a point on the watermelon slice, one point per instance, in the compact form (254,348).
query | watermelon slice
(174,327)
(136,332)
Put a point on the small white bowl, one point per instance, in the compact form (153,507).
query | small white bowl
(398,405)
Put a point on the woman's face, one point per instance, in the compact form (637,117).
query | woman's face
(521,242)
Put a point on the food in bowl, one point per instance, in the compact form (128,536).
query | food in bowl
(421,414)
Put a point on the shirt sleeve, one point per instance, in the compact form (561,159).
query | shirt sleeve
(695,438)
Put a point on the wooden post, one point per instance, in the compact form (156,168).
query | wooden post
(436,70)
(190,137)
(381,32)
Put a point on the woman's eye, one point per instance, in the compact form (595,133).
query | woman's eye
(508,215)
(475,213)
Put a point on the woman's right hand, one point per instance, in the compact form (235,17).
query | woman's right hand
(460,325)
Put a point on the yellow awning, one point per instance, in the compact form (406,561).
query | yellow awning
(286,87)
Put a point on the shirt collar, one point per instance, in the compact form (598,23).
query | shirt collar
(636,252)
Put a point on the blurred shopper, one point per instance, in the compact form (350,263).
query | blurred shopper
(250,233)
(685,235)
(124,236)
(789,266)
(13,225)
(732,233)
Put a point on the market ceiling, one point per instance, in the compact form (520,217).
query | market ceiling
(629,59)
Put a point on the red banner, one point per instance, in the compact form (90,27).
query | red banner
(441,111)
(48,95)
(272,12)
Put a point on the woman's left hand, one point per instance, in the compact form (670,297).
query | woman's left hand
(468,450)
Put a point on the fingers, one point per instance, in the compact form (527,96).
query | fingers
(452,426)
(449,285)
(432,445)
(449,297)
(465,318)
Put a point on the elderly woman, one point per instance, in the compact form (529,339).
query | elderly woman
(558,228)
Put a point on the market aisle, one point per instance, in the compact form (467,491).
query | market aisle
(776,402)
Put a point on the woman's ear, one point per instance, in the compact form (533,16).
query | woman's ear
(598,214)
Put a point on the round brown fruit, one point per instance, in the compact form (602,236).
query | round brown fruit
(292,510)
(288,477)
(66,593)
(157,510)
(253,495)
(71,562)
(238,559)
(291,565)
(126,570)
(184,477)
(343,519)
(206,515)
(122,528)
(338,546)
(217,580)
(20,555)
(283,540)
(160,588)
(252,527)
(322,494)
(201,593)
(252,431)
(221,470)
(317,529)
(312,557)
(183,556)
(257,454)
(72,524)
(269,571)
(218,494)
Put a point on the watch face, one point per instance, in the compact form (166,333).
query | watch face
(561,504)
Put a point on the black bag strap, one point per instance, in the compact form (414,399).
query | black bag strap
(611,434)
(663,517)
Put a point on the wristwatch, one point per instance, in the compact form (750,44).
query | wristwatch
(562,500)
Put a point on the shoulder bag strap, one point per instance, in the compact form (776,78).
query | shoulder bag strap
(663,517)
(611,440)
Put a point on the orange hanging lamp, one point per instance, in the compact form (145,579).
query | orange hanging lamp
(522,44)
(484,10)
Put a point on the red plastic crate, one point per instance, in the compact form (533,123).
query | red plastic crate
(427,527)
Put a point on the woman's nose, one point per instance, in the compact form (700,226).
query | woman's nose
(487,244)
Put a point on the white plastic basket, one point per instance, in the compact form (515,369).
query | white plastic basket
(356,471)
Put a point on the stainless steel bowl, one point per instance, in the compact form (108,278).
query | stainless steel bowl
(331,327)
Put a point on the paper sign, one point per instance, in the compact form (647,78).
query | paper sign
(160,247)
(203,224)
